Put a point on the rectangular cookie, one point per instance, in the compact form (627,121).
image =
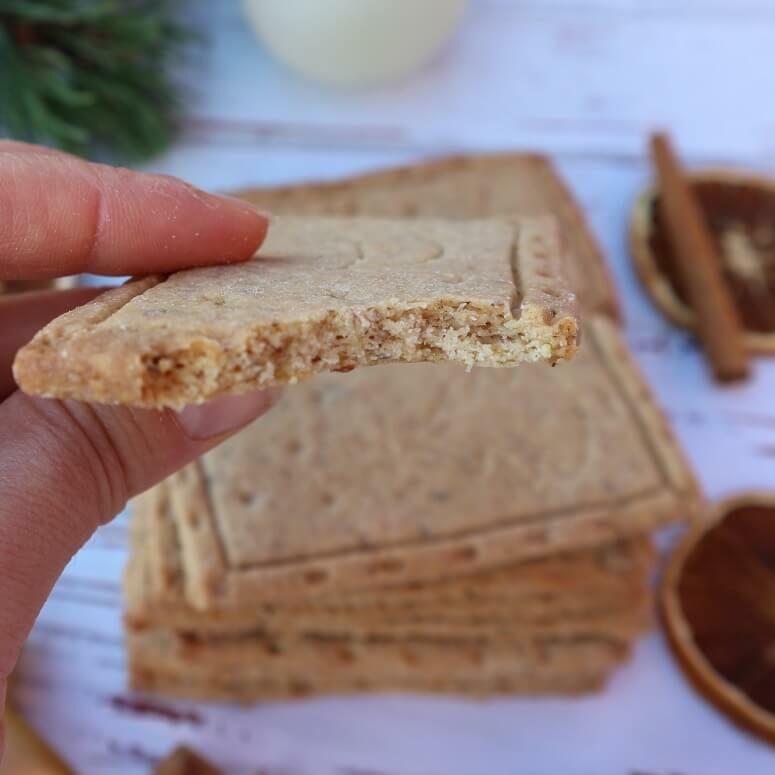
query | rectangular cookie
(407,474)
(599,591)
(254,668)
(322,294)
(472,186)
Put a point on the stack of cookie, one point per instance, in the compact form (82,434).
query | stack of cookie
(417,527)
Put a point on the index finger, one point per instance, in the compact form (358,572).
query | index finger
(60,215)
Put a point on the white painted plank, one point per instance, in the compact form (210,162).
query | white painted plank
(646,722)
(569,78)
(737,10)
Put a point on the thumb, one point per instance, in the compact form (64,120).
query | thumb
(67,467)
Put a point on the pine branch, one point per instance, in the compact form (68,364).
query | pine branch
(90,75)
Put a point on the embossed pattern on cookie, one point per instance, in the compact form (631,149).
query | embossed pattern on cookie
(322,294)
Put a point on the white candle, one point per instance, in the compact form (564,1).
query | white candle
(354,42)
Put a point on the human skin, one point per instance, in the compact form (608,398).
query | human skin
(67,467)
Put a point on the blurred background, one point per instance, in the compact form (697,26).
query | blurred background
(271,92)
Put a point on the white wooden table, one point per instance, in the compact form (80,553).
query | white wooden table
(584,80)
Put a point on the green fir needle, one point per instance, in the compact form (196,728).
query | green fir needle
(90,76)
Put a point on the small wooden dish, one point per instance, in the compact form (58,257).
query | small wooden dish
(740,212)
(718,607)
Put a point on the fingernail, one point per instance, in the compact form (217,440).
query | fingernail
(225,415)
(241,204)
(235,200)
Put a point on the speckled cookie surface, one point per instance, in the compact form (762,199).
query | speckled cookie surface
(474,186)
(553,625)
(602,590)
(253,668)
(322,294)
(400,474)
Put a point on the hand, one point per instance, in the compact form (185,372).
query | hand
(67,467)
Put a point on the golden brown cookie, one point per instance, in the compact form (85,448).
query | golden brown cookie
(322,294)
(400,474)
(472,186)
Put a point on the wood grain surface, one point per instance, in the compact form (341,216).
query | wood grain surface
(585,80)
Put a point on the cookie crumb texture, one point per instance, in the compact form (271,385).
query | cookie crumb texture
(322,294)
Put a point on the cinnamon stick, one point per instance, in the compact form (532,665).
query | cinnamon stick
(716,318)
